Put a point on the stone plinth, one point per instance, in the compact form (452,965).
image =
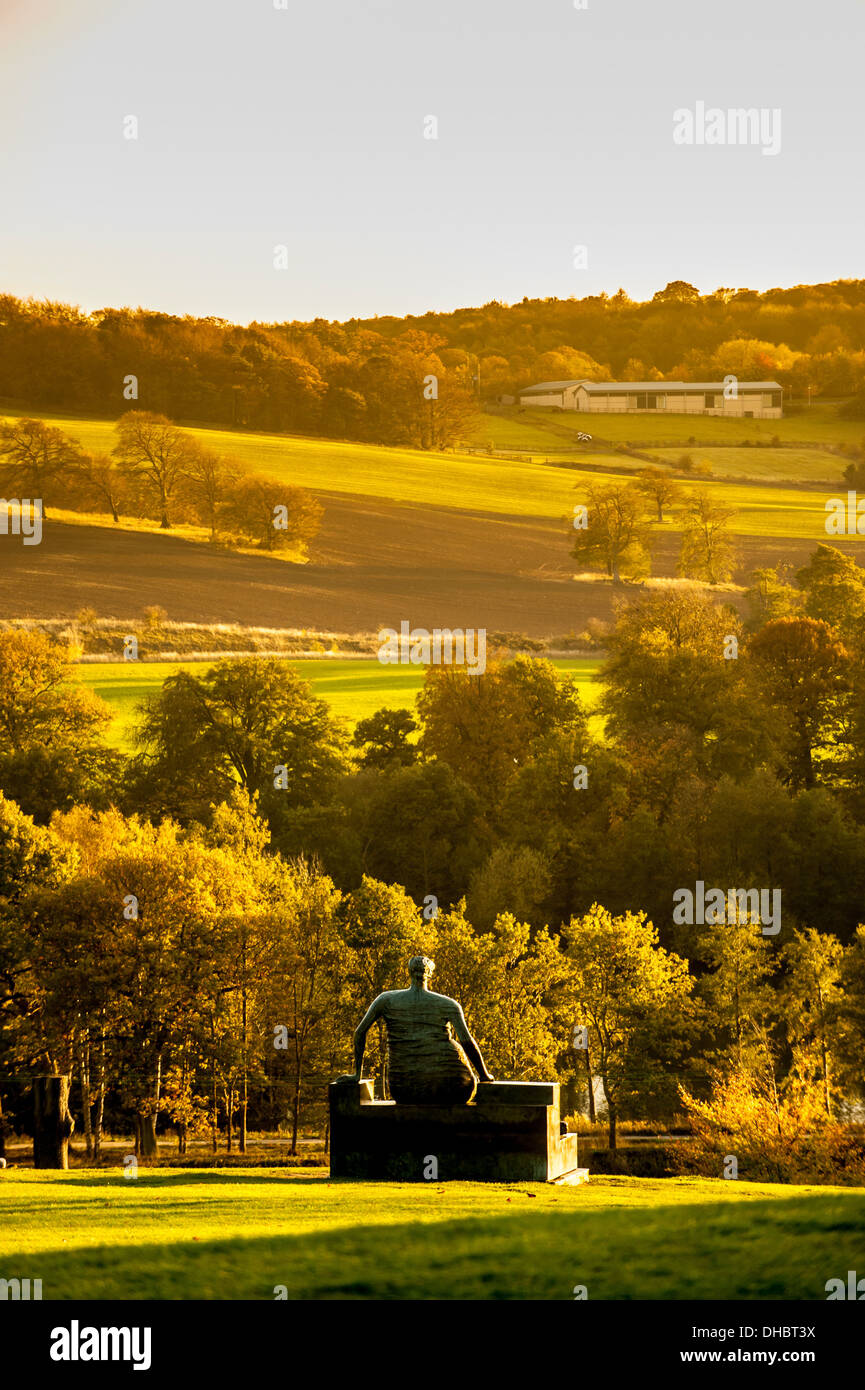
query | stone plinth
(510,1133)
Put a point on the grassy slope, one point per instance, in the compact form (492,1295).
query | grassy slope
(191,1234)
(543,429)
(475,484)
(354,689)
(781,465)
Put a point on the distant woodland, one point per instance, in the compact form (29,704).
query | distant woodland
(370,379)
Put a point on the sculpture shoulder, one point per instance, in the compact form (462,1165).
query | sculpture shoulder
(451,1005)
(388,996)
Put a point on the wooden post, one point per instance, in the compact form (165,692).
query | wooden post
(53,1123)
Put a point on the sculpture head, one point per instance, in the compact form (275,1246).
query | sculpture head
(420,969)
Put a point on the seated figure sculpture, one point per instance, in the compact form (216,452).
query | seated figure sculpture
(432,1056)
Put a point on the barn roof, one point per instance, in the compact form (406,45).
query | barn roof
(673,386)
(545,387)
(606,387)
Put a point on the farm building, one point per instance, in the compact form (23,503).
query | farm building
(760,400)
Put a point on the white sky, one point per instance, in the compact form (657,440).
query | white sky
(304,127)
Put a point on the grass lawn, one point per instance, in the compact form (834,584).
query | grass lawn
(197,1234)
(353,688)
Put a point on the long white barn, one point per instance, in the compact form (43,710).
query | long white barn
(759,400)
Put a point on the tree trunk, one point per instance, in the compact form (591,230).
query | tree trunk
(149,1145)
(100,1105)
(613,1119)
(590,1081)
(295,1111)
(244,1101)
(86,1100)
(214,1119)
(53,1123)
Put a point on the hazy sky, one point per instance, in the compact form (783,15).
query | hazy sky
(304,127)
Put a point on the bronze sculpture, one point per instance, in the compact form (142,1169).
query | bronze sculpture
(432,1057)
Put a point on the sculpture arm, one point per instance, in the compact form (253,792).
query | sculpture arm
(469,1046)
(369,1018)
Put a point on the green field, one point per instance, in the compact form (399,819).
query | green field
(476,483)
(543,429)
(777,465)
(353,688)
(198,1234)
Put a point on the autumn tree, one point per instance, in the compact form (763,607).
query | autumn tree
(422,826)
(737,990)
(308,965)
(40,701)
(612,531)
(708,550)
(804,670)
(514,878)
(383,739)
(514,1019)
(813,1002)
(660,487)
(270,513)
(152,925)
(835,590)
(852,1009)
(770,596)
(252,723)
(634,999)
(381,929)
(669,683)
(485,726)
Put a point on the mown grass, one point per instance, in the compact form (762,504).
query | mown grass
(487,485)
(195,1234)
(353,688)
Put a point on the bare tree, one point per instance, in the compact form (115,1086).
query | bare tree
(154,452)
(708,549)
(208,483)
(34,458)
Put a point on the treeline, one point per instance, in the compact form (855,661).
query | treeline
(159,472)
(347,383)
(250,868)
(417,380)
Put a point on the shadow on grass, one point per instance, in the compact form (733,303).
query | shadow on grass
(759,1250)
(177,1177)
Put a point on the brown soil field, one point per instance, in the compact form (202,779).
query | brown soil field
(373,564)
